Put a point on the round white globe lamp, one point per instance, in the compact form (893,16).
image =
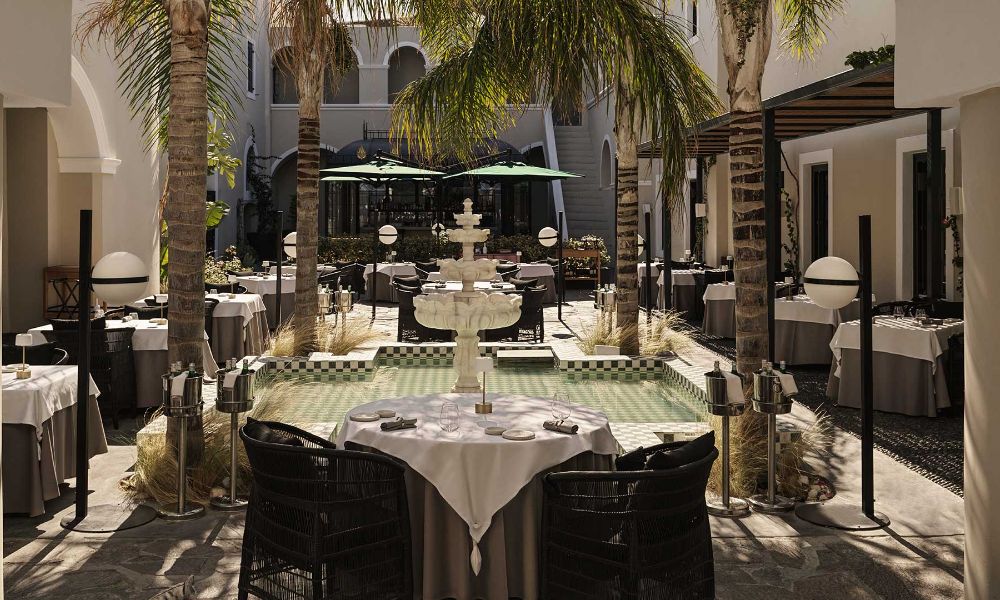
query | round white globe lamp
(548,237)
(119,278)
(387,235)
(289,244)
(437,228)
(831,282)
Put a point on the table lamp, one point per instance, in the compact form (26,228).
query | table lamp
(161,300)
(484,365)
(23,340)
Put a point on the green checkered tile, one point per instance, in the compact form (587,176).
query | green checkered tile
(325,398)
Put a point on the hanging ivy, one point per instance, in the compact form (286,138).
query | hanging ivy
(791,247)
(951,222)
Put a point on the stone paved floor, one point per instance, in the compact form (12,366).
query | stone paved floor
(919,556)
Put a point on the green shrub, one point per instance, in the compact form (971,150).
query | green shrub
(215,269)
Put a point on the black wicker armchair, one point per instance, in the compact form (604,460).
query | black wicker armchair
(889,308)
(111,365)
(408,329)
(530,325)
(74,324)
(629,535)
(151,312)
(522,284)
(945,309)
(507,271)
(322,523)
(42,354)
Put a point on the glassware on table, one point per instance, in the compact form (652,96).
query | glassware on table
(897,312)
(450,416)
(560,406)
(213,291)
(921,314)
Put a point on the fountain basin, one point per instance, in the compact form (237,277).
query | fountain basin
(467,311)
(482,269)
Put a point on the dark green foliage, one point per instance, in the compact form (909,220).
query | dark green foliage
(860,59)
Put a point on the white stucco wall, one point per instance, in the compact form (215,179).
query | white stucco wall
(35,67)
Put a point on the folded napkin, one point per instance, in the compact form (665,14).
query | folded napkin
(177,385)
(230,379)
(561,426)
(787,383)
(399,423)
(734,388)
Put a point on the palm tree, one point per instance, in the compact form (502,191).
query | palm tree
(496,54)
(311,39)
(176,59)
(746,43)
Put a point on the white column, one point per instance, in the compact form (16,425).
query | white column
(980,137)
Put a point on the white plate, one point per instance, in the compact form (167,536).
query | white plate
(518,435)
(385,414)
(495,430)
(365,417)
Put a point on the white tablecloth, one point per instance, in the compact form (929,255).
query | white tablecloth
(534,270)
(243,305)
(147,337)
(267,285)
(393,269)
(480,286)
(801,308)
(719,291)
(436,276)
(477,474)
(33,401)
(679,277)
(904,337)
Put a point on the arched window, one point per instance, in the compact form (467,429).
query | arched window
(607,167)
(348,90)
(406,65)
(283,80)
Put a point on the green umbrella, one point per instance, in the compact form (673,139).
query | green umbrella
(514,170)
(379,170)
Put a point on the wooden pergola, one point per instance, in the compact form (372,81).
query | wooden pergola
(850,99)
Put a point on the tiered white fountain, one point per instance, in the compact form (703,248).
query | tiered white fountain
(467,312)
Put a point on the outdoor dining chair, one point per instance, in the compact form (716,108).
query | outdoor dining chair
(74,324)
(322,523)
(42,354)
(629,534)
(112,365)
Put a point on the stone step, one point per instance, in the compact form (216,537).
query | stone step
(514,358)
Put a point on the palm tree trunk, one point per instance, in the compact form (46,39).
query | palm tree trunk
(187,164)
(307,219)
(627,243)
(746,42)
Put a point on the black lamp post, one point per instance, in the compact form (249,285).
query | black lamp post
(645,249)
(120,280)
(387,235)
(832,282)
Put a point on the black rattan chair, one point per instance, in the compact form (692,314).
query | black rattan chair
(522,284)
(407,280)
(428,267)
(632,535)
(944,309)
(322,523)
(888,308)
(74,324)
(506,272)
(332,280)
(111,365)
(210,304)
(42,354)
(408,329)
(151,312)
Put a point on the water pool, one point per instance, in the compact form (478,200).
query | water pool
(624,400)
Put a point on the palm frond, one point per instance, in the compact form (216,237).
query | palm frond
(561,53)
(804,23)
(137,32)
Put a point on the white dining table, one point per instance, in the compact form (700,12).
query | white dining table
(239,326)
(384,274)
(266,286)
(469,477)
(909,366)
(545,275)
(149,349)
(803,329)
(487,287)
(39,435)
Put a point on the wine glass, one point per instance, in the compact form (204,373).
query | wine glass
(921,314)
(449,417)
(897,312)
(560,406)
